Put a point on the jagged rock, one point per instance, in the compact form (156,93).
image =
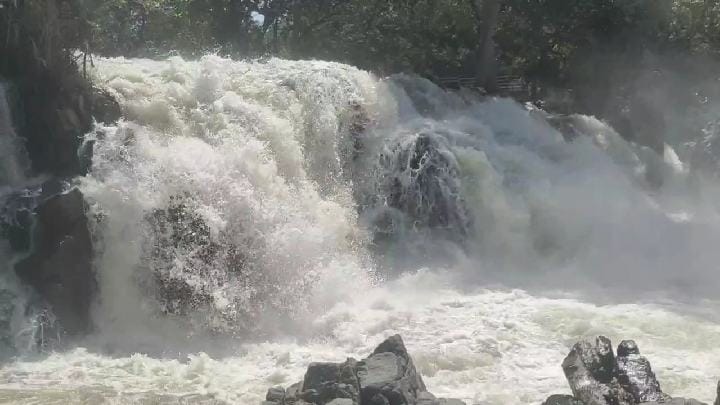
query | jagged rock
(423,183)
(636,375)
(390,372)
(275,394)
(327,381)
(60,265)
(387,377)
(562,400)
(590,369)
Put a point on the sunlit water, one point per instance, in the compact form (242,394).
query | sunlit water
(261,189)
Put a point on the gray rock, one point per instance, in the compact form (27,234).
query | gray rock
(590,369)
(275,394)
(717,400)
(327,381)
(377,399)
(387,377)
(341,401)
(292,393)
(60,265)
(426,398)
(636,375)
(450,401)
(389,372)
(675,401)
(562,400)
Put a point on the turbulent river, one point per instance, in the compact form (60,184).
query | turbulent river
(251,217)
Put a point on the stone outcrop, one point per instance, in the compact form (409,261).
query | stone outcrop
(562,400)
(386,377)
(59,266)
(591,371)
(597,377)
(636,375)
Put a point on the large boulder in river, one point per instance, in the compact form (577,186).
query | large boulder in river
(591,370)
(60,264)
(325,382)
(597,377)
(636,375)
(387,377)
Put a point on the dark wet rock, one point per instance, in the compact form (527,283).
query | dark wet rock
(60,265)
(636,375)
(590,369)
(562,400)
(105,107)
(327,381)
(421,190)
(390,372)
(717,400)
(387,377)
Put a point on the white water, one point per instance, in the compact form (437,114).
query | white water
(241,183)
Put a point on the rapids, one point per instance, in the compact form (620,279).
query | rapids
(251,217)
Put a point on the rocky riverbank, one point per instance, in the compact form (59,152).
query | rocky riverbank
(596,375)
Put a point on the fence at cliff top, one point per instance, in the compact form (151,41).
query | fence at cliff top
(511,85)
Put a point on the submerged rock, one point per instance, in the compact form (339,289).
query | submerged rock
(590,369)
(636,375)
(675,401)
(59,267)
(562,400)
(389,372)
(422,181)
(387,377)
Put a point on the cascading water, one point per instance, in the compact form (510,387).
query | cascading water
(20,318)
(243,202)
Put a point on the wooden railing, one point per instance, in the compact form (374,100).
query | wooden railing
(506,84)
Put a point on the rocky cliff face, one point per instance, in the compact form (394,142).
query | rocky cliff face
(53,107)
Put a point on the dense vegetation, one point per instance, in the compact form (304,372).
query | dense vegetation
(544,38)
(611,58)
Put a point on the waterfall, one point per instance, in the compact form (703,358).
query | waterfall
(237,196)
(249,217)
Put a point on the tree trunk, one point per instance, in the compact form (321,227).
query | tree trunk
(486,14)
